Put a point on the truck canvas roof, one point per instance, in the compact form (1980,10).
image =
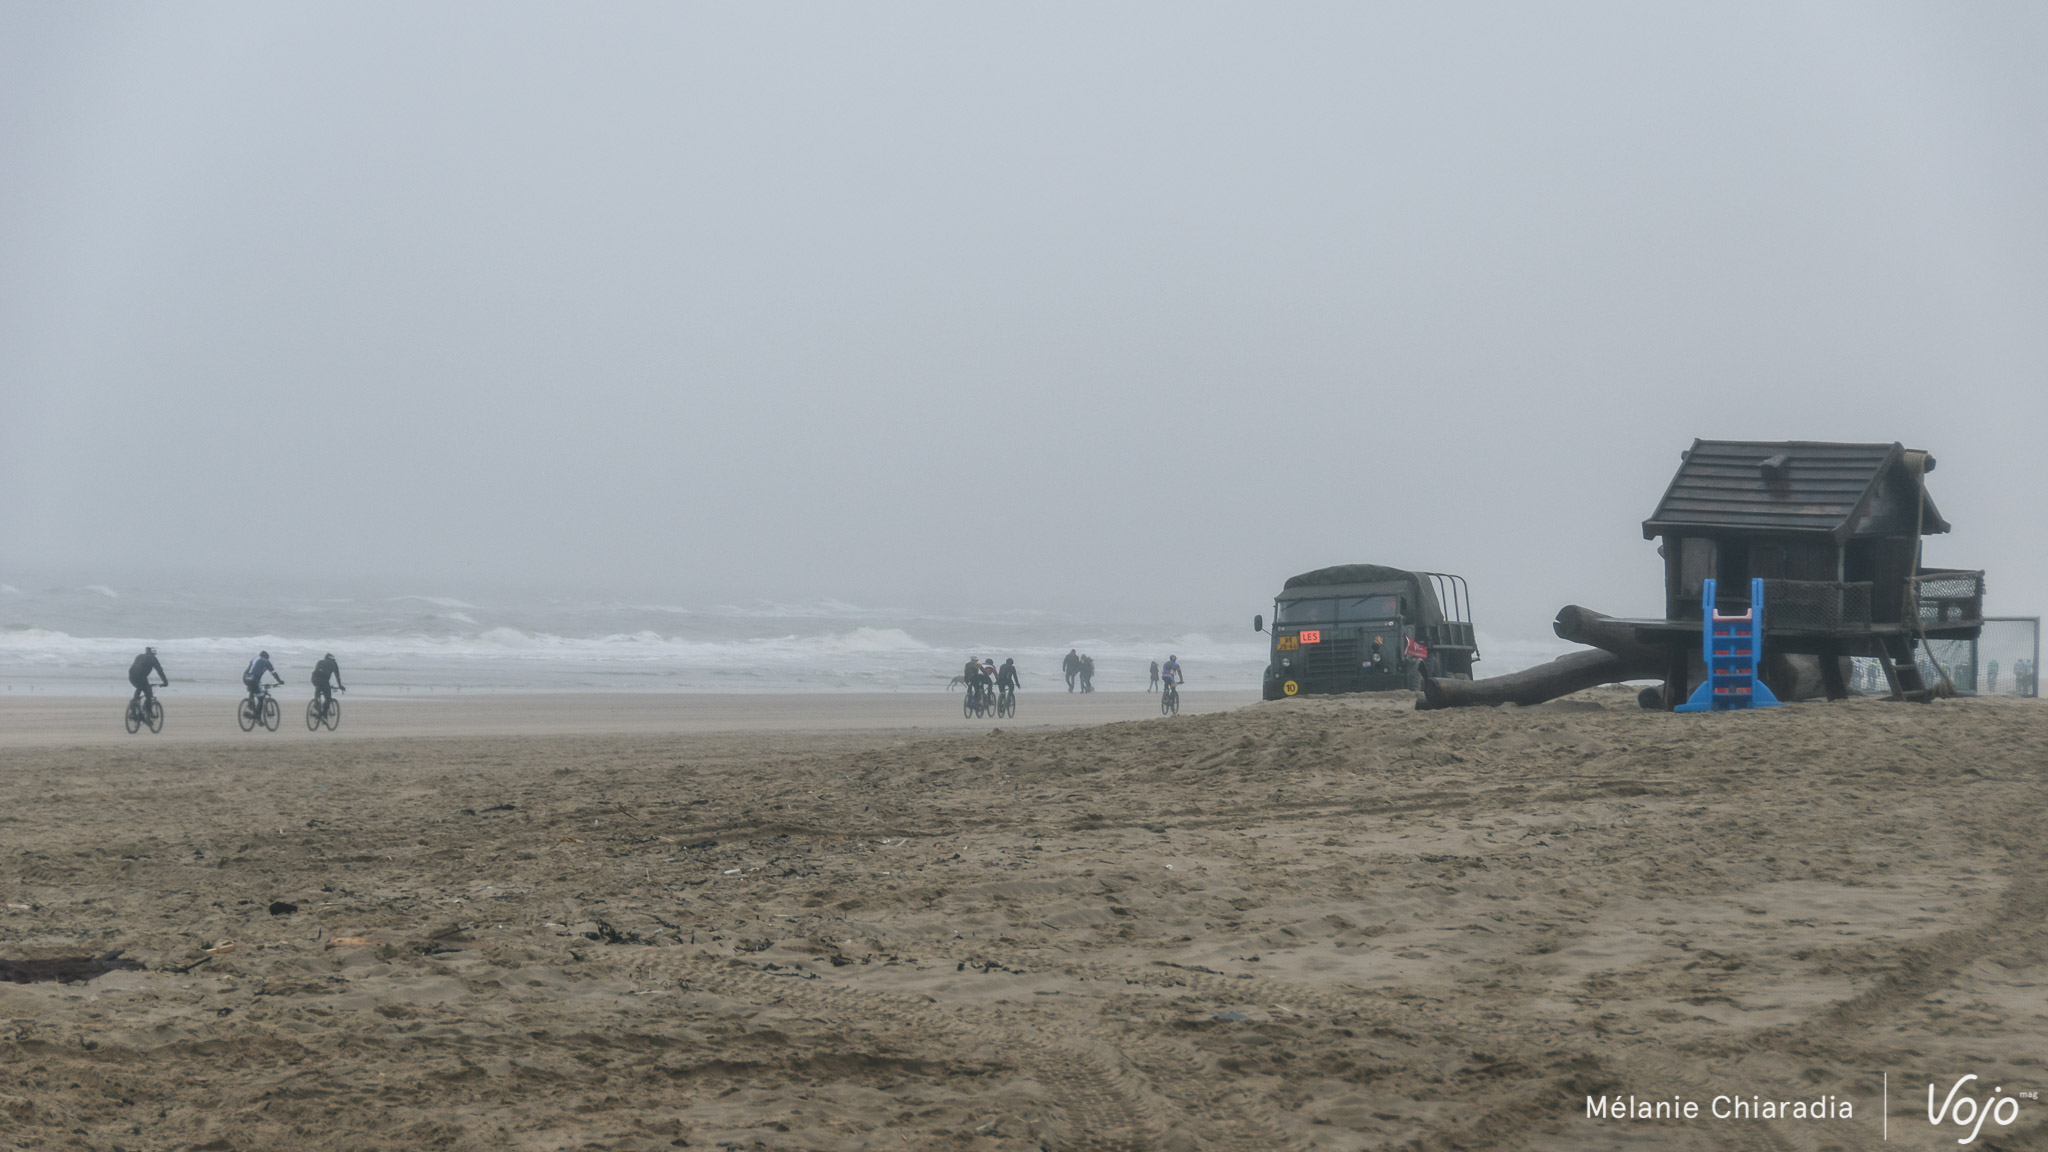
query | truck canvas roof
(1321,581)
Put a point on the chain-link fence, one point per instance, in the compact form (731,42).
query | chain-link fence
(2003,661)
(1958,658)
(2008,657)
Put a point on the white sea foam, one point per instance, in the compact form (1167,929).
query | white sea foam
(438,601)
(103,590)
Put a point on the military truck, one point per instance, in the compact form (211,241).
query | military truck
(1368,628)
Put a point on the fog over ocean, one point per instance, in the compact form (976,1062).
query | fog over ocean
(69,638)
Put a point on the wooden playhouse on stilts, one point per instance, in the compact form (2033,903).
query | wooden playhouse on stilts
(1833,532)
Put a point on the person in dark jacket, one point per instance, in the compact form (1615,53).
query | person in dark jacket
(138,674)
(1087,673)
(326,671)
(252,677)
(1072,667)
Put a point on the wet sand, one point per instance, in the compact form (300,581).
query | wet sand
(1314,923)
(43,721)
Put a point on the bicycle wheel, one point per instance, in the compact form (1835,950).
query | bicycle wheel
(245,714)
(270,712)
(1169,701)
(967,705)
(133,719)
(153,715)
(333,713)
(313,714)
(1007,706)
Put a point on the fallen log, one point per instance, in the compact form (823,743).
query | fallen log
(1572,672)
(1599,630)
(1617,655)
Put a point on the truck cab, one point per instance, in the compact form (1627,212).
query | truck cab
(1367,628)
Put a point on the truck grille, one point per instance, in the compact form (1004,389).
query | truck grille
(1335,656)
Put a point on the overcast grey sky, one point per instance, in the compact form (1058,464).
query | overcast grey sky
(1086,305)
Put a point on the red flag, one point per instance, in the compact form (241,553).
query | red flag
(1414,651)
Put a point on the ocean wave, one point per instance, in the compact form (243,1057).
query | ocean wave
(84,642)
(438,601)
(46,644)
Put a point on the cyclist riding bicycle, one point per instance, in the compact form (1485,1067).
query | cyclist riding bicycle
(1006,676)
(1171,673)
(252,679)
(325,670)
(138,675)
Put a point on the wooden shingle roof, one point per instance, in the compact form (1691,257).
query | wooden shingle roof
(1791,486)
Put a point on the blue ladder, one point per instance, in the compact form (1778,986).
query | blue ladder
(1733,647)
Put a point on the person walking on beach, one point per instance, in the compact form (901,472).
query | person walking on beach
(252,678)
(1152,685)
(327,669)
(138,675)
(1087,673)
(1072,667)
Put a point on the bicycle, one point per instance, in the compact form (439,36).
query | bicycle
(317,715)
(258,709)
(980,702)
(144,712)
(1169,698)
(1006,701)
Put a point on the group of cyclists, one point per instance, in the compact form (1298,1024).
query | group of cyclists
(257,680)
(990,690)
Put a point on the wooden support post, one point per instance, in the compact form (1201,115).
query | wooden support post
(1676,671)
(1831,672)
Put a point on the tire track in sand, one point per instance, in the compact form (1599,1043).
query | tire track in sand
(1514,1115)
(1099,1101)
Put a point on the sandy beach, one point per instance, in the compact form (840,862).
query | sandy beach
(43,721)
(802,923)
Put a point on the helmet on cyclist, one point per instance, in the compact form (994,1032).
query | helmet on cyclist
(265,655)
(149,651)
(329,656)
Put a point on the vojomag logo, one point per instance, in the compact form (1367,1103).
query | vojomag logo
(1967,1111)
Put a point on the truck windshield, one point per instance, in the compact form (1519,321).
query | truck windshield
(1331,611)
(1369,608)
(1305,612)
